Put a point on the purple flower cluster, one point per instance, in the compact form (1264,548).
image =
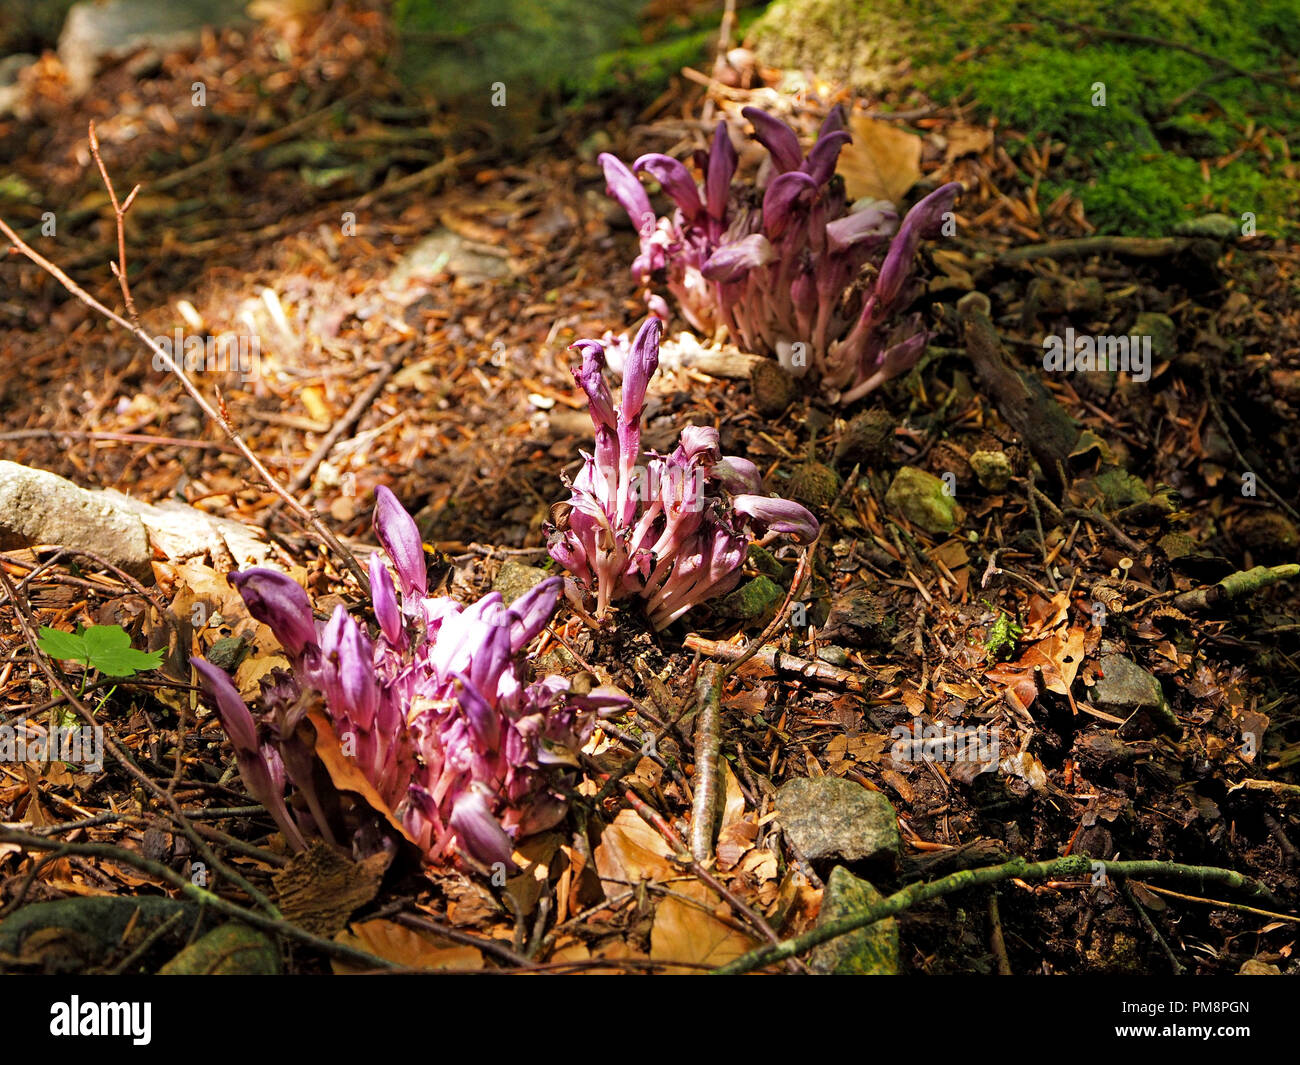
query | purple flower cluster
(434,711)
(779,264)
(672,530)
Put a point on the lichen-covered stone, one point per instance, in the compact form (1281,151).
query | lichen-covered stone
(869,951)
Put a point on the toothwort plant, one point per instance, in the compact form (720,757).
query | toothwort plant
(672,530)
(435,712)
(781,264)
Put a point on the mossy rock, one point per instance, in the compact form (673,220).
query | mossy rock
(923,500)
(1135,161)
(869,951)
(233,949)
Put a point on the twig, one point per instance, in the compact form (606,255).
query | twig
(359,407)
(784,665)
(1094,518)
(1080,247)
(148,941)
(1152,930)
(1235,585)
(277,926)
(119,214)
(1073,867)
(996,940)
(330,540)
(128,763)
(708,745)
(1227,435)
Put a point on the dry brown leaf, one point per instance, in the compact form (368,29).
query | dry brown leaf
(346,774)
(882,162)
(685,932)
(965,139)
(631,850)
(405,947)
(733,807)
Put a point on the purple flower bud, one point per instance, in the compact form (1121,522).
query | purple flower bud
(624,186)
(484,718)
(737,475)
(479,832)
(349,671)
(722,165)
(641,366)
(532,610)
(591,379)
(733,261)
(872,225)
(676,181)
(820,164)
(779,199)
(779,515)
(833,122)
(384,598)
(922,220)
(277,600)
(400,537)
(778,138)
(259,776)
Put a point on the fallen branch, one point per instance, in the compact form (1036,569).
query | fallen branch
(1234,586)
(271,925)
(1023,401)
(785,666)
(1073,867)
(708,746)
(1081,247)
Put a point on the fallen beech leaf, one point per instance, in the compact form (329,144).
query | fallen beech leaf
(881,163)
(733,808)
(965,139)
(631,850)
(405,947)
(685,932)
(345,773)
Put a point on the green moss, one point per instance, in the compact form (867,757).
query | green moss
(1134,162)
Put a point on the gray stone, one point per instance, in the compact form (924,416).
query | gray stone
(992,469)
(1126,689)
(921,498)
(1214,226)
(179,531)
(513,579)
(37,507)
(442,251)
(833,818)
(95,31)
(1160,328)
(870,951)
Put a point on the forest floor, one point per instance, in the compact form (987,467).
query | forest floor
(286,204)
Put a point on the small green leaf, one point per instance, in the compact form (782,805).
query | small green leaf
(63,645)
(125,661)
(103,647)
(102,639)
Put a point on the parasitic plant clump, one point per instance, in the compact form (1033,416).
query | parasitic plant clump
(457,750)
(670,530)
(787,265)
